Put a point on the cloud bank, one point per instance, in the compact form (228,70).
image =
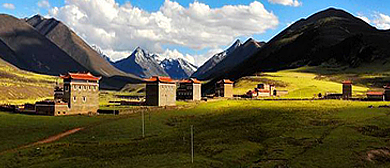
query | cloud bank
(294,3)
(8,6)
(121,28)
(43,4)
(378,20)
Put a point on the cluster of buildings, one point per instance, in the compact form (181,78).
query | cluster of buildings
(265,90)
(164,91)
(372,95)
(80,94)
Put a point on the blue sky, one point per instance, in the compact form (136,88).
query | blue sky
(374,11)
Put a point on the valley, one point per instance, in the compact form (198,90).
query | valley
(138,111)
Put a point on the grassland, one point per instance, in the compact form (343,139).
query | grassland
(230,133)
(299,84)
(18,86)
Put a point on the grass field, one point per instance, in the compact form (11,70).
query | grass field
(234,133)
(18,86)
(299,84)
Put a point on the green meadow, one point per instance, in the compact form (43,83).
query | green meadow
(19,87)
(299,84)
(227,133)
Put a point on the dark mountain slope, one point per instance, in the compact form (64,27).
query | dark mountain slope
(214,60)
(328,36)
(74,46)
(234,58)
(27,49)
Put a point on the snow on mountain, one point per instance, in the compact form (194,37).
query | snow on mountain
(145,65)
(141,63)
(178,68)
(101,53)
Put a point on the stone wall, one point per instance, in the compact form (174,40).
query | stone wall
(84,98)
(167,94)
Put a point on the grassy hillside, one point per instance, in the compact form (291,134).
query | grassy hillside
(18,86)
(298,82)
(227,134)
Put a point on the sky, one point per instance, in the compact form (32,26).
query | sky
(188,29)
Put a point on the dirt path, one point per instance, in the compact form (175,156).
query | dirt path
(47,140)
(72,131)
(55,137)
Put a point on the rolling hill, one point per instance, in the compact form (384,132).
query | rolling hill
(19,86)
(330,37)
(331,40)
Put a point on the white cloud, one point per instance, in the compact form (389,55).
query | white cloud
(176,54)
(124,27)
(8,6)
(294,3)
(116,55)
(202,58)
(43,4)
(378,20)
(364,18)
(382,21)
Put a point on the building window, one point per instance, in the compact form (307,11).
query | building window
(66,88)
(89,88)
(64,112)
(59,112)
(74,87)
(84,99)
(74,98)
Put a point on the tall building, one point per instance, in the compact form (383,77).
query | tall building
(347,89)
(224,88)
(79,95)
(189,89)
(160,91)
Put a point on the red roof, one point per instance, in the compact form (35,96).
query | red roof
(375,93)
(264,91)
(347,82)
(227,81)
(82,76)
(162,79)
(191,80)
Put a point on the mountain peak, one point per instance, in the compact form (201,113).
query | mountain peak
(330,12)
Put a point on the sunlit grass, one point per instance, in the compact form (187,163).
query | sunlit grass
(299,84)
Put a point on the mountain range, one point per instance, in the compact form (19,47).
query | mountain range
(145,65)
(224,62)
(330,37)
